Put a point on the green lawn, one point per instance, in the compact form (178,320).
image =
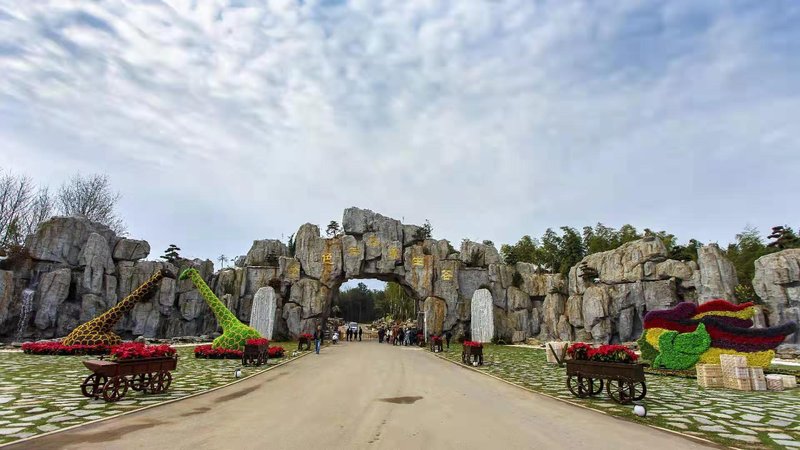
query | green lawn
(728,417)
(42,393)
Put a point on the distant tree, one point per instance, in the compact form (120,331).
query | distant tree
(171,254)
(525,250)
(23,207)
(783,237)
(425,231)
(686,252)
(90,197)
(333,229)
(222,260)
(572,249)
(488,242)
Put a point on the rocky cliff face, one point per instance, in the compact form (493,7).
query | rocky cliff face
(777,282)
(80,269)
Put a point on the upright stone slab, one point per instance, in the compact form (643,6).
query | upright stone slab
(262,316)
(435,311)
(482,323)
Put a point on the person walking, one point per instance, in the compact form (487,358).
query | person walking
(381,332)
(349,333)
(318,336)
(407,340)
(447,336)
(360,332)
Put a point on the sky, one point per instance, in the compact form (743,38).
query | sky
(221,122)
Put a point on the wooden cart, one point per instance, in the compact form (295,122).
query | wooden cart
(255,355)
(624,382)
(471,355)
(111,379)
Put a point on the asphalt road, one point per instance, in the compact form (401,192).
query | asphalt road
(365,395)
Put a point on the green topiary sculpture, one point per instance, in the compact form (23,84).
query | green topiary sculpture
(234,332)
(679,351)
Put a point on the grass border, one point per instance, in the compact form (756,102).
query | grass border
(144,408)
(678,433)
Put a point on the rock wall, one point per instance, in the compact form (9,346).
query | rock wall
(777,283)
(80,268)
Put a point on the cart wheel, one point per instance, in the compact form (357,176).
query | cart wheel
(621,391)
(92,385)
(140,381)
(639,390)
(115,389)
(161,382)
(584,387)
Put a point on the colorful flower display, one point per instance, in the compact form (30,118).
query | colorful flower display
(136,350)
(728,327)
(276,352)
(435,338)
(57,348)
(473,344)
(307,336)
(259,341)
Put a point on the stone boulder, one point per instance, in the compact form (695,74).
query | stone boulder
(265,252)
(357,221)
(474,254)
(131,250)
(777,283)
(624,264)
(6,294)
(95,258)
(52,292)
(717,275)
(61,239)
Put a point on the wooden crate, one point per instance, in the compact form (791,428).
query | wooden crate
(740,384)
(774,382)
(711,382)
(742,373)
(709,370)
(757,380)
(789,381)
(729,364)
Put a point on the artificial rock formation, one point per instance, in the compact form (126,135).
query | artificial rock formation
(603,299)
(777,283)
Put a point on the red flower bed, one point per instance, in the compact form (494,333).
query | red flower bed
(306,336)
(472,344)
(435,338)
(276,352)
(57,348)
(259,341)
(205,351)
(604,353)
(137,350)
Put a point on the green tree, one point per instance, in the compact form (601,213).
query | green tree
(292,245)
(783,237)
(526,250)
(572,249)
(171,254)
(333,229)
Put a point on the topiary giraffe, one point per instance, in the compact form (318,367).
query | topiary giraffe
(234,332)
(98,330)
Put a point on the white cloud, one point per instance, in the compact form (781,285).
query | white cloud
(223,122)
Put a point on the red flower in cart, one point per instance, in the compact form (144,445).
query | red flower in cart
(306,336)
(276,352)
(579,351)
(472,344)
(259,341)
(136,350)
(435,338)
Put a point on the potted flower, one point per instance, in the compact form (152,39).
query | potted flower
(276,352)
(472,353)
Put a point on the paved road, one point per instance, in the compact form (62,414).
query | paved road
(366,395)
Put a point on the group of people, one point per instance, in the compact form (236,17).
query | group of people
(353,334)
(398,335)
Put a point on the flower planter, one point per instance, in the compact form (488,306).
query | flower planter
(624,382)
(436,346)
(472,355)
(255,354)
(111,379)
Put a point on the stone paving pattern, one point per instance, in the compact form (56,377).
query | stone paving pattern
(734,418)
(39,394)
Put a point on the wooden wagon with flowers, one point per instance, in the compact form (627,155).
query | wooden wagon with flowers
(304,341)
(256,352)
(436,343)
(611,366)
(140,367)
(472,353)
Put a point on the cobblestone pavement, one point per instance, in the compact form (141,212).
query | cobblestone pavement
(39,394)
(734,418)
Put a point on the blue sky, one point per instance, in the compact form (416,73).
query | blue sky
(224,122)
